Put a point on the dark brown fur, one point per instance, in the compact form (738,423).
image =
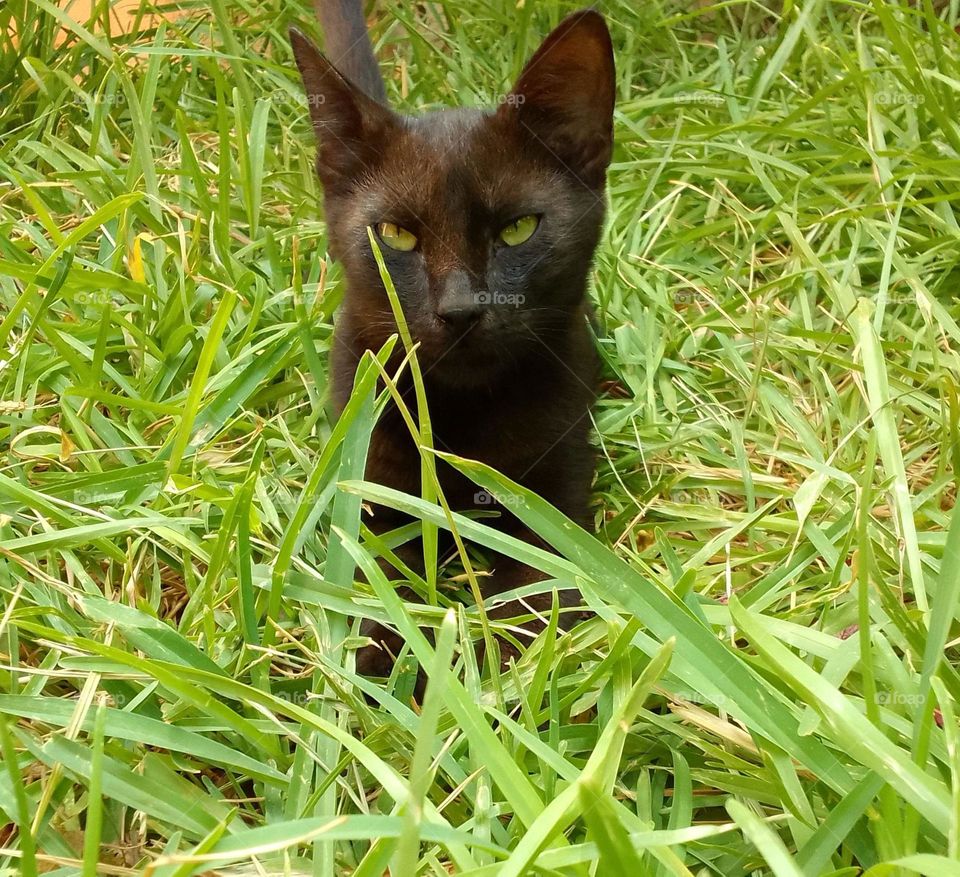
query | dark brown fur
(504,341)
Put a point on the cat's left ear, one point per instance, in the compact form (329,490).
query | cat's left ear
(565,95)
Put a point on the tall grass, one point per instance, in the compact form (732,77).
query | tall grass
(768,684)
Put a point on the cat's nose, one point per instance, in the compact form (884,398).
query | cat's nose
(460,305)
(462,314)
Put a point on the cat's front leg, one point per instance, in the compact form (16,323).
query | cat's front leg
(378,658)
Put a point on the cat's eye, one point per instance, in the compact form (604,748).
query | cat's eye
(519,230)
(396,237)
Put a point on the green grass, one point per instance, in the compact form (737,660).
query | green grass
(769,683)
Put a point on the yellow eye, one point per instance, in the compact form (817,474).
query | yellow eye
(396,237)
(519,230)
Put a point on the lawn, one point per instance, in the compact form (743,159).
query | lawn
(768,683)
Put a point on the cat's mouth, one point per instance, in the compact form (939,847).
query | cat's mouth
(463,355)
(468,333)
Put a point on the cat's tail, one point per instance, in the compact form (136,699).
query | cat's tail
(348,45)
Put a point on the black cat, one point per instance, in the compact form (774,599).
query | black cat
(488,222)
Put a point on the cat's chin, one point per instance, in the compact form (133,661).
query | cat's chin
(461,360)
(466,369)
(459,376)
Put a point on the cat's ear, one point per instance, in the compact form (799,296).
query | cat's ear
(351,128)
(565,95)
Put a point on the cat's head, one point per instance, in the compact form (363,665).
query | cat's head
(487,220)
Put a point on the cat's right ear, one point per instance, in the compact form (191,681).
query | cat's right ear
(351,128)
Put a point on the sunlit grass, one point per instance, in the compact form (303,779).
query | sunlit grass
(768,684)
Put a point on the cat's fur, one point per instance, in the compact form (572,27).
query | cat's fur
(505,346)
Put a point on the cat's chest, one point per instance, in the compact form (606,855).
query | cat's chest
(506,436)
(495,432)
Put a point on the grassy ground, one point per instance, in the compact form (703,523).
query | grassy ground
(769,685)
